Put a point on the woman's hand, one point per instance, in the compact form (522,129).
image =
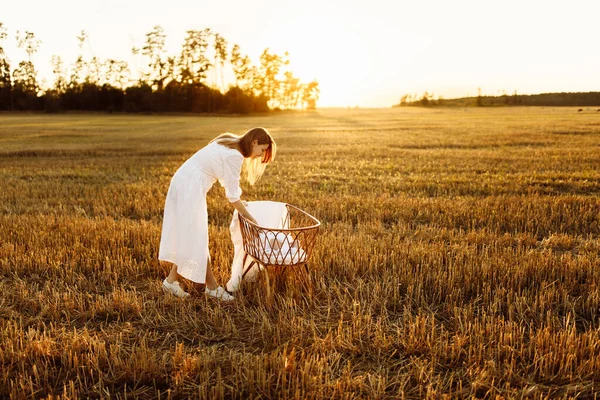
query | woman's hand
(240,206)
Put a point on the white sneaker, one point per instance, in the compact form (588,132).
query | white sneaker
(219,293)
(174,289)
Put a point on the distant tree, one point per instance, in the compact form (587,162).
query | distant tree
(79,70)
(310,95)
(407,100)
(51,99)
(26,75)
(193,62)
(504,97)
(403,100)
(238,101)
(6,102)
(135,51)
(139,98)
(158,64)
(425,99)
(94,74)
(290,91)
(60,83)
(220,48)
(116,73)
(165,84)
(266,80)
(83,91)
(242,68)
(25,85)
(432,99)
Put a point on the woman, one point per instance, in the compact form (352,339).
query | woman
(184,240)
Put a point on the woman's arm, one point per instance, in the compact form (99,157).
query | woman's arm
(241,208)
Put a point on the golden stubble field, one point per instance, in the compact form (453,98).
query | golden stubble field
(458,256)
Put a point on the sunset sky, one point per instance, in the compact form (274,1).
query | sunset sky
(363,53)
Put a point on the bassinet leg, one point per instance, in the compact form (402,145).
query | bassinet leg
(249,267)
(269,297)
(308,281)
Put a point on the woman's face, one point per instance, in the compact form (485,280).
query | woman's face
(258,150)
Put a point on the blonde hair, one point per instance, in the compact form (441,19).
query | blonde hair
(254,168)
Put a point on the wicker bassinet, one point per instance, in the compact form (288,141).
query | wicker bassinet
(289,246)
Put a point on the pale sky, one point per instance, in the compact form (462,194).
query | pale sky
(364,53)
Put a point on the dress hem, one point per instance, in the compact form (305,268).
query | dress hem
(186,267)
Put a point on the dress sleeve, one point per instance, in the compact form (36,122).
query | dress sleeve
(231,181)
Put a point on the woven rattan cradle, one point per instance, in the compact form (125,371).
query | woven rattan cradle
(289,246)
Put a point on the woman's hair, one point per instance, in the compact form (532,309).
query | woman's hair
(254,168)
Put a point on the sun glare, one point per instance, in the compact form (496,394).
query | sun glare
(331,51)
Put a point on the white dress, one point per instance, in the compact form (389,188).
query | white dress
(184,239)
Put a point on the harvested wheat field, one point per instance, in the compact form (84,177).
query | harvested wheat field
(458,256)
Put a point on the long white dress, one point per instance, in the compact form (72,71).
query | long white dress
(184,239)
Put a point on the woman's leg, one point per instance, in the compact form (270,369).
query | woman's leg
(171,285)
(213,289)
(173,275)
(211,283)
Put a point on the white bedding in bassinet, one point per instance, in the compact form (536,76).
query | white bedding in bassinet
(280,249)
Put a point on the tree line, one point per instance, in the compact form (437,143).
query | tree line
(163,83)
(576,99)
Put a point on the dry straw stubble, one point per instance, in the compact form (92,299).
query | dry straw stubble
(458,257)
